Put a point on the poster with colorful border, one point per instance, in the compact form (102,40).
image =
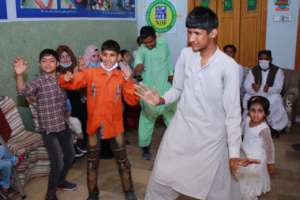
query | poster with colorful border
(75,8)
(3,10)
(161,15)
(282,5)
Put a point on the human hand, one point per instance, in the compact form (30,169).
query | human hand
(150,96)
(81,64)
(126,72)
(266,88)
(236,163)
(68,76)
(138,69)
(271,169)
(255,87)
(20,65)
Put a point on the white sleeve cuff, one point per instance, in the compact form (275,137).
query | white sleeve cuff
(234,152)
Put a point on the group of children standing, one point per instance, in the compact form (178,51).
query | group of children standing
(105,87)
(100,86)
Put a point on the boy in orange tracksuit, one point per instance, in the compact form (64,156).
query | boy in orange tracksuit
(105,87)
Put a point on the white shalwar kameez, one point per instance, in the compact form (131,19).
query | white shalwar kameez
(278,118)
(193,158)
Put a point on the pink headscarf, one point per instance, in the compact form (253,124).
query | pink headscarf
(88,53)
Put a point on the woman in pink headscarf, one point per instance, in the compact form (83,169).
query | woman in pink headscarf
(91,56)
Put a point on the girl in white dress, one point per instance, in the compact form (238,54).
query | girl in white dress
(257,144)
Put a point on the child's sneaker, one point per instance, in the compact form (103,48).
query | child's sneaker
(146,153)
(78,153)
(84,151)
(68,186)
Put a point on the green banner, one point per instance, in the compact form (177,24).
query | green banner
(228,5)
(205,3)
(251,5)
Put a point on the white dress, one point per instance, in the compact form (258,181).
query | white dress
(257,144)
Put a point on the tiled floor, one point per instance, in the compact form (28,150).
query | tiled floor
(285,185)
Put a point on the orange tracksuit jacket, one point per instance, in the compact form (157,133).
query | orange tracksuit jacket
(104,98)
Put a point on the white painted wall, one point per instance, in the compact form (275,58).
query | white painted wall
(176,37)
(281,37)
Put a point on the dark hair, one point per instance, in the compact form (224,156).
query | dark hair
(202,18)
(110,45)
(48,52)
(229,46)
(64,48)
(265,52)
(264,102)
(147,31)
(139,40)
(123,52)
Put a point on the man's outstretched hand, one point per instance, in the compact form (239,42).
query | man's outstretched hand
(150,96)
(236,163)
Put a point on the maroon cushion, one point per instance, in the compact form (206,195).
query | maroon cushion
(5,129)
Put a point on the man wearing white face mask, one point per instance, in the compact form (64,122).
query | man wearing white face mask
(267,80)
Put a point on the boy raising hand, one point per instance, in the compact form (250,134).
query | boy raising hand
(50,100)
(105,87)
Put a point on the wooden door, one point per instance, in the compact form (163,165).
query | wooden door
(252,31)
(229,24)
(194,3)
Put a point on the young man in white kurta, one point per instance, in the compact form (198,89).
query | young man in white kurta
(202,142)
(278,118)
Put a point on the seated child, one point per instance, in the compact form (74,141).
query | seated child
(7,161)
(105,87)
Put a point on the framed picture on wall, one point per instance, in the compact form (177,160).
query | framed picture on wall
(3,12)
(75,8)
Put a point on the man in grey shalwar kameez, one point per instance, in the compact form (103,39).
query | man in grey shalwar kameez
(201,146)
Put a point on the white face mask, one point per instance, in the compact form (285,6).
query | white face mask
(109,69)
(264,64)
(65,65)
